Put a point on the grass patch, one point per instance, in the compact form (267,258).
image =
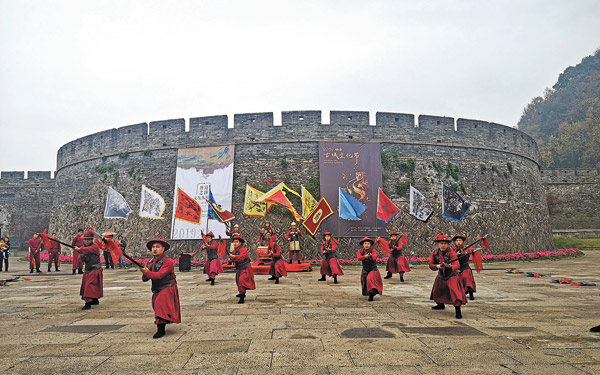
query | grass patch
(579,243)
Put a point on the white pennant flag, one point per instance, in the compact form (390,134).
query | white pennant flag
(152,205)
(419,207)
(116,206)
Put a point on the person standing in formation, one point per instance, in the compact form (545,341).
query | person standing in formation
(53,254)
(447,288)
(330,265)
(244,277)
(212,265)
(370,278)
(91,283)
(106,250)
(122,245)
(4,253)
(233,232)
(35,246)
(265,235)
(165,294)
(77,261)
(277,269)
(465,274)
(293,235)
(397,262)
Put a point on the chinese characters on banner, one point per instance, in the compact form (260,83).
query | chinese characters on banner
(356,169)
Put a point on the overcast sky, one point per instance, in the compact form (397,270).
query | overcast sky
(72,68)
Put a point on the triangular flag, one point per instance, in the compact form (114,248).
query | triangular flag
(277,196)
(251,206)
(116,206)
(219,213)
(308,202)
(386,209)
(152,205)
(188,209)
(350,208)
(454,207)
(314,219)
(45,240)
(419,207)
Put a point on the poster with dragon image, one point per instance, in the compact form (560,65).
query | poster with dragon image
(355,168)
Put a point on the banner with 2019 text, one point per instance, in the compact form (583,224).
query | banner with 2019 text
(199,171)
(351,169)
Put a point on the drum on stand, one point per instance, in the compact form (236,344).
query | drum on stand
(262,254)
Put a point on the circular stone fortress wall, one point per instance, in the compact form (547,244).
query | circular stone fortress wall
(492,166)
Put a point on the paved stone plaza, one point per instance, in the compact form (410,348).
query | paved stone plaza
(516,325)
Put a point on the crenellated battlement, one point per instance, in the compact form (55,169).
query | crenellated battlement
(351,126)
(32,176)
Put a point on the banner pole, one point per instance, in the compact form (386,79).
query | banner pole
(409,238)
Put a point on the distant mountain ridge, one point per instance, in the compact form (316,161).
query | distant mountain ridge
(566,120)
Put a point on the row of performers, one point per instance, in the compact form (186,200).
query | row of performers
(450,286)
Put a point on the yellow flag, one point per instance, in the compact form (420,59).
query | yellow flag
(251,206)
(308,202)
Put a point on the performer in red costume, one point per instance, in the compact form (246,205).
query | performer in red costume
(53,253)
(91,282)
(370,278)
(165,294)
(212,265)
(77,262)
(35,247)
(277,269)
(447,288)
(244,277)
(465,273)
(330,265)
(293,235)
(397,262)
(265,235)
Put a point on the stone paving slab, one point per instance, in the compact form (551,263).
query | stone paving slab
(516,325)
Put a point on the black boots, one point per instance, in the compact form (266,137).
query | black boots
(80,271)
(277,280)
(322,278)
(49,269)
(595,329)
(160,331)
(38,270)
(335,279)
(458,313)
(439,306)
(57,270)
(388,276)
(95,301)
(271,278)
(73,272)
(471,295)
(212,281)
(402,276)
(242,296)
(87,306)
(31,270)
(209,279)
(371,295)
(299,261)
(290,261)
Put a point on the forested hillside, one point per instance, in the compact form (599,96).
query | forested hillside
(566,120)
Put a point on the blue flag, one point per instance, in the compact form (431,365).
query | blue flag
(211,213)
(116,206)
(350,208)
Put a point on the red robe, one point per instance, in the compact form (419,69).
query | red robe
(35,244)
(397,263)
(370,278)
(465,273)
(91,282)
(212,267)
(165,294)
(53,254)
(331,266)
(447,288)
(77,262)
(244,278)
(277,264)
